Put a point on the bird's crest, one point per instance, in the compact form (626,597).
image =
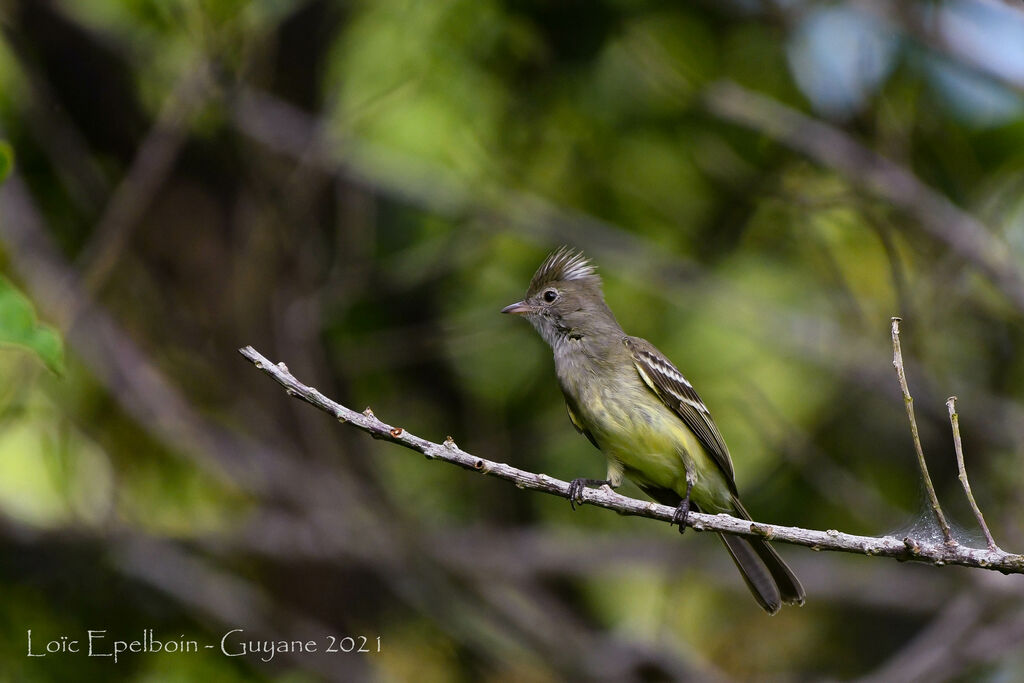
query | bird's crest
(563,264)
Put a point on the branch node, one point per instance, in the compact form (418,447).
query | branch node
(368,412)
(396,432)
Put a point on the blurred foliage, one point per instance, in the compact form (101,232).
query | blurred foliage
(19,327)
(356,189)
(6,159)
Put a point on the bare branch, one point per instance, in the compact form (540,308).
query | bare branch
(908,401)
(887,546)
(954,420)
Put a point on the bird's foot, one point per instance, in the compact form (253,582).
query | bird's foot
(577,485)
(682,512)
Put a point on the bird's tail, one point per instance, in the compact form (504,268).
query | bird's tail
(769,578)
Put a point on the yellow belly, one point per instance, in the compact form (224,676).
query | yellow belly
(652,444)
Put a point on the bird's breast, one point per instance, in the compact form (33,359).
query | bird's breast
(634,427)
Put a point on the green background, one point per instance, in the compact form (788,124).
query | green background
(357,188)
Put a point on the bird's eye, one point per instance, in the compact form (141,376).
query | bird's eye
(550,295)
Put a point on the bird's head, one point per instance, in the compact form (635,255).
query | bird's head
(565,300)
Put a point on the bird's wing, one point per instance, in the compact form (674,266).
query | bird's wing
(580,428)
(676,392)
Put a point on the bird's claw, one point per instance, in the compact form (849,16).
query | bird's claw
(576,492)
(681,514)
(577,485)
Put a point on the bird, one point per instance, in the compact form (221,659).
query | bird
(635,406)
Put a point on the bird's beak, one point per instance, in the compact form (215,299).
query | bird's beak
(518,308)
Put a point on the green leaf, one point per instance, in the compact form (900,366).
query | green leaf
(6,159)
(19,327)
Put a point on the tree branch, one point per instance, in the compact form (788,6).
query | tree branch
(954,420)
(908,401)
(887,546)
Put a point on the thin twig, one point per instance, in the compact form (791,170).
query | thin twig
(897,361)
(887,546)
(954,420)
